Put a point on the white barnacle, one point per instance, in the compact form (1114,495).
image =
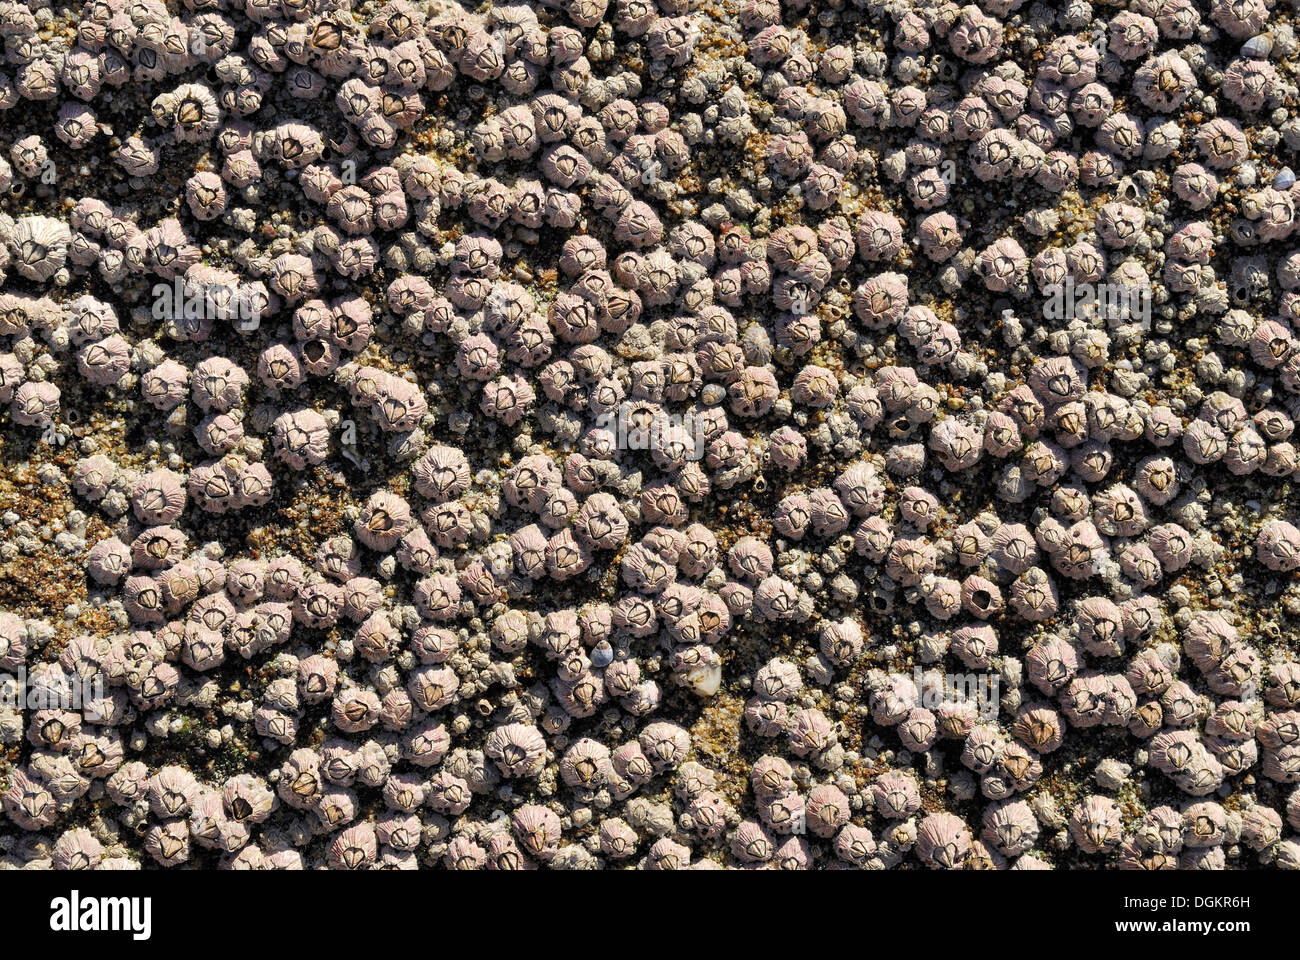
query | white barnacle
(40,246)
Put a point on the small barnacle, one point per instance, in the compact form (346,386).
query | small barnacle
(517,749)
(1240,19)
(1095,824)
(384,520)
(301,438)
(192,110)
(137,157)
(943,842)
(1278,545)
(40,246)
(76,125)
(217,384)
(879,236)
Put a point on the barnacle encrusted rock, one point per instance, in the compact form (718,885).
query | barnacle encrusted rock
(768,433)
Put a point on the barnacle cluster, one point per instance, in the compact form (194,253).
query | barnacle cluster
(654,433)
